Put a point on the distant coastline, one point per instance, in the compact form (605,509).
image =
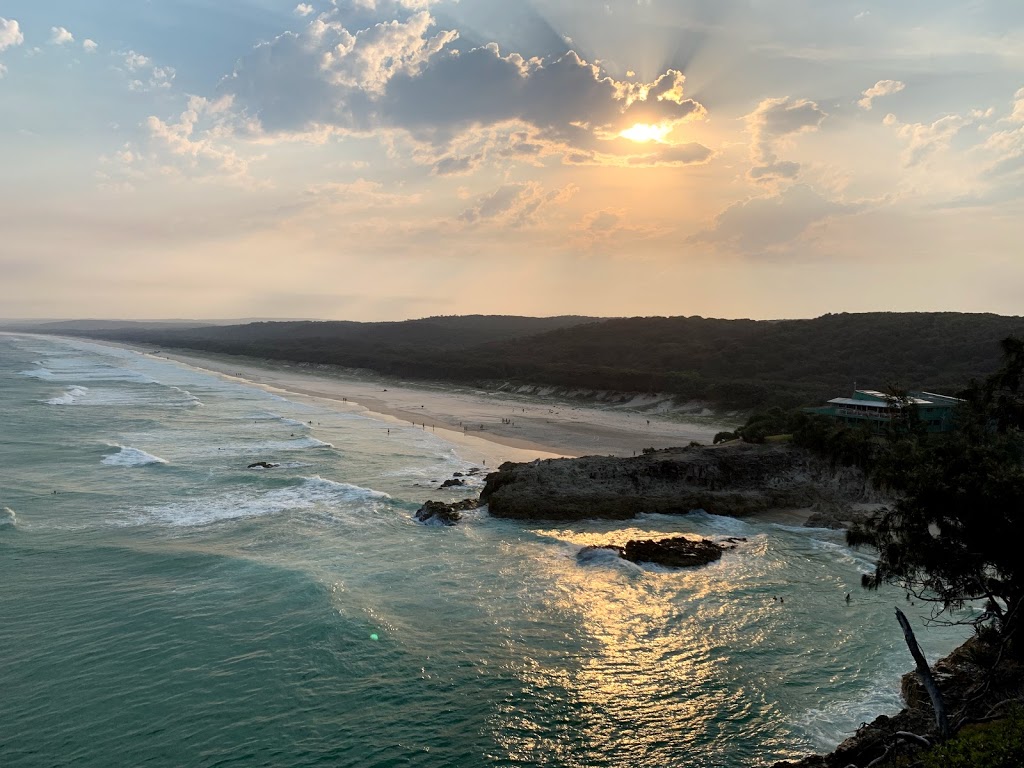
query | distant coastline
(723,365)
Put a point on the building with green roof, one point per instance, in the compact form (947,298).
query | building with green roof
(874,409)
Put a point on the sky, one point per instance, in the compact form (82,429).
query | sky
(393,159)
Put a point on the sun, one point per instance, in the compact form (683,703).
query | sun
(642,132)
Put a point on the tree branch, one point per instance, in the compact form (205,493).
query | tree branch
(925,672)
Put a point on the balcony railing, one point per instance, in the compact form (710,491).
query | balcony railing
(865,414)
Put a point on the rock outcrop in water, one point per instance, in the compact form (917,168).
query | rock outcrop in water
(737,479)
(675,552)
(439,513)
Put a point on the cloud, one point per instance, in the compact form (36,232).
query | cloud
(785,169)
(516,204)
(455,165)
(10,33)
(135,61)
(159,77)
(410,76)
(1017,116)
(565,98)
(144,74)
(370,58)
(673,155)
(60,36)
(361,196)
(1006,146)
(770,125)
(881,88)
(201,140)
(90,46)
(925,139)
(611,228)
(303,9)
(764,224)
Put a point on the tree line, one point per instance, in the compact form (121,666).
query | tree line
(728,364)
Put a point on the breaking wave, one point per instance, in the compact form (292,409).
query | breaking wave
(71,396)
(308,494)
(131,457)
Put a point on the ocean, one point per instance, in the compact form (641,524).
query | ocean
(163,605)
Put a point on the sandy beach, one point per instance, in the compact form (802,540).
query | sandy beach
(498,426)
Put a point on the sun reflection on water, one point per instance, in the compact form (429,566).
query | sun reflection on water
(655,682)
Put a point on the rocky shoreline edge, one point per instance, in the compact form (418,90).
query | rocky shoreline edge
(737,480)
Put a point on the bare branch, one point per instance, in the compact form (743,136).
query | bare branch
(925,673)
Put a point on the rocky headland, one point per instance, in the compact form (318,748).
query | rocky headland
(737,479)
(979,684)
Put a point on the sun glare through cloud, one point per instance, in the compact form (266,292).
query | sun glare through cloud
(644,132)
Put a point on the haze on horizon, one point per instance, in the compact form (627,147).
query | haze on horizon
(390,159)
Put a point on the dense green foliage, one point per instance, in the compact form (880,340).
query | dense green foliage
(742,364)
(955,532)
(998,744)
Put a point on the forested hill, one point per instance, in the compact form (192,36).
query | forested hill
(727,363)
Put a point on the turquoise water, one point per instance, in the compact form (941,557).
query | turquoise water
(162,605)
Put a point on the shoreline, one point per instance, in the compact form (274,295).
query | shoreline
(522,427)
(484,428)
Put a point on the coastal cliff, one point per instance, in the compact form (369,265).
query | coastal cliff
(737,479)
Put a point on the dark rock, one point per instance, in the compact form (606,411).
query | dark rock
(453,483)
(439,513)
(457,474)
(834,515)
(262,465)
(678,552)
(975,680)
(735,479)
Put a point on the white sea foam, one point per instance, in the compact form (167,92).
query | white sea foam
(39,373)
(600,556)
(862,561)
(432,475)
(78,370)
(70,397)
(309,494)
(286,420)
(190,399)
(308,442)
(840,716)
(157,397)
(131,457)
(348,490)
(269,447)
(7,518)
